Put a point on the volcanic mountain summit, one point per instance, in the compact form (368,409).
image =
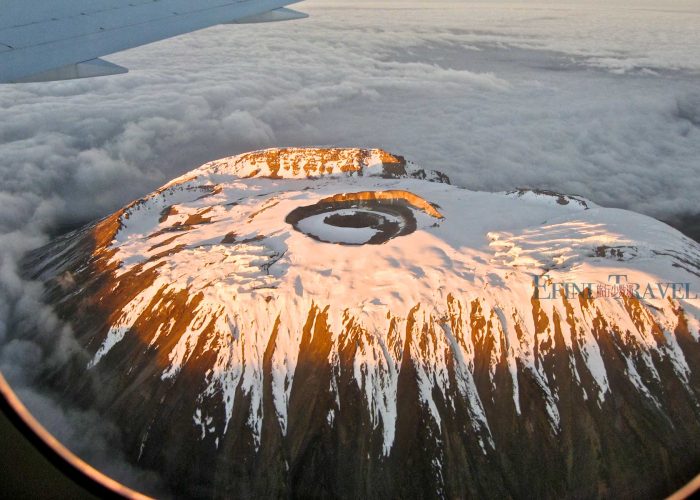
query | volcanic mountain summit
(340,323)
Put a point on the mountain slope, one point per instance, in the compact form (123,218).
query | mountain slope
(337,322)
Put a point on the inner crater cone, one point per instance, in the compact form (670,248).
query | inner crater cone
(367,217)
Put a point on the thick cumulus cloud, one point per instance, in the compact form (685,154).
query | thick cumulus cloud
(596,100)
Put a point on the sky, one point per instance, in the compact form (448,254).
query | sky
(600,99)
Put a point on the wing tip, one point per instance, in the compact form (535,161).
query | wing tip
(271,16)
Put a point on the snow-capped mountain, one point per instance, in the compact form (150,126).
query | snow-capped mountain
(338,322)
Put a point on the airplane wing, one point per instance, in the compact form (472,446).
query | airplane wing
(44,40)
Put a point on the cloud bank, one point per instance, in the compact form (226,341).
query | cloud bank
(599,101)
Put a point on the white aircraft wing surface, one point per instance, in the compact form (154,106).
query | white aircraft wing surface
(43,40)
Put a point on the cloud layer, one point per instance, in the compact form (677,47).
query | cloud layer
(599,101)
